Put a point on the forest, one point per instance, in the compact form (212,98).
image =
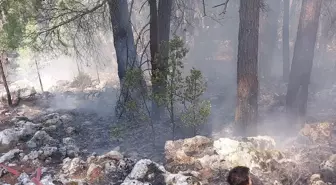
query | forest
(167,91)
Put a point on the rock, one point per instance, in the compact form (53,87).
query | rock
(25,179)
(27,93)
(70,130)
(47,180)
(41,138)
(94,172)
(69,149)
(207,158)
(182,154)
(53,121)
(66,118)
(315,179)
(3,172)
(225,146)
(110,167)
(146,171)
(8,136)
(179,179)
(24,129)
(9,155)
(72,166)
(46,152)
(328,169)
(261,142)
(125,165)
(112,155)
(134,182)
(31,156)
(51,128)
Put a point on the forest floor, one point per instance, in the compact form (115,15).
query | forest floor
(92,121)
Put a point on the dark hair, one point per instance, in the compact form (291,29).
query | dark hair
(239,176)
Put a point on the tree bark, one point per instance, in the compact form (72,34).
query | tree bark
(285,42)
(247,69)
(154,50)
(4,80)
(123,37)
(126,57)
(161,45)
(299,78)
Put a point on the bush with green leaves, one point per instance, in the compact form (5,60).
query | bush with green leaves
(196,110)
(183,94)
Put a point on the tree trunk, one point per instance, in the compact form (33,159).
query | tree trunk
(97,72)
(162,27)
(297,92)
(4,80)
(38,75)
(126,58)
(154,50)
(123,37)
(269,38)
(247,69)
(285,42)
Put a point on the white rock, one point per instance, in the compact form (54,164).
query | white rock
(31,156)
(41,138)
(9,155)
(225,146)
(112,155)
(71,166)
(14,134)
(47,180)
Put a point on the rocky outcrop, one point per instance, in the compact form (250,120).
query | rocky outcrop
(22,130)
(50,141)
(210,160)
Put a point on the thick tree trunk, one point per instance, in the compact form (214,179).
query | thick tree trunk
(126,59)
(297,92)
(247,69)
(285,42)
(162,36)
(269,38)
(4,80)
(154,50)
(123,37)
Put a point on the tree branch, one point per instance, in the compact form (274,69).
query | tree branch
(225,4)
(73,18)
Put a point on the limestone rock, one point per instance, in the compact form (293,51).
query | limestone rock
(22,130)
(73,166)
(211,158)
(9,155)
(315,179)
(69,148)
(328,169)
(41,138)
(94,172)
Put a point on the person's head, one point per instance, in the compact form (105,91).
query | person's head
(239,175)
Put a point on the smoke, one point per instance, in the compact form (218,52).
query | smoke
(213,45)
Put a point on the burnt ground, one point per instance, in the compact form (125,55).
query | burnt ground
(97,131)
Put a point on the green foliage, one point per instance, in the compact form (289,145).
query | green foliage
(132,101)
(183,94)
(196,110)
(15,16)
